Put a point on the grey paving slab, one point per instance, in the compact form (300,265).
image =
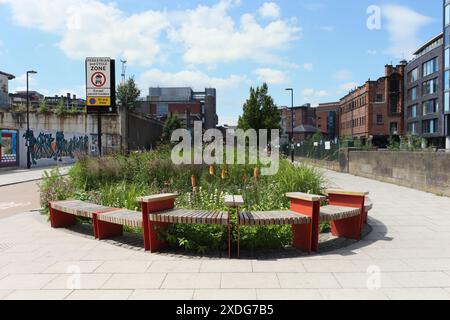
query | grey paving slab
(406,247)
(38,295)
(249,281)
(135,281)
(25,281)
(129,266)
(225,294)
(78,281)
(99,295)
(162,294)
(308,281)
(288,294)
(192,281)
(180,266)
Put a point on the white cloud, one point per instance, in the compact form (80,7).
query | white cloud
(211,35)
(346,87)
(372,52)
(208,34)
(403,25)
(328,28)
(310,93)
(343,75)
(189,78)
(270,10)
(92,28)
(271,76)
(308,66)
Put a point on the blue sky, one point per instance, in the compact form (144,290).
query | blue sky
(321,48)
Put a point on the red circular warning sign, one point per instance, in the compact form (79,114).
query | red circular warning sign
(98,79)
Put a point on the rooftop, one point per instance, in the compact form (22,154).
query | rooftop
(434,42)
(10,76)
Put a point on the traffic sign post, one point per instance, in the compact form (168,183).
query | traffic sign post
(100,85)
(100,90)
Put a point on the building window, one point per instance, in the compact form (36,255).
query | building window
(430,126)
(412,128)
(162,109)
(429,87)
(447,14)
(431,66)
(447,80)
(394,128)
(379,97)
(447,58)
(380,119)
(430,106)
(413,75)
(447,101)
(412,111)
(412,94)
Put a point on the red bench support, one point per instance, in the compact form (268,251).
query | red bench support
(155,204)
(306,236)
(60,219)
(105,230)
(350,228)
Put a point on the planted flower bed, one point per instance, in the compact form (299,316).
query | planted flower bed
(118,180)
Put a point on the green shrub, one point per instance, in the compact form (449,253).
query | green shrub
(119,179)
(54,187)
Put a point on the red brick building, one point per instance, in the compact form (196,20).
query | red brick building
(304,122)
(327,119)
(374,111)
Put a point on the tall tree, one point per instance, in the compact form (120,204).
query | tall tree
(172,123)
(128,94)
(128,97)
(260,111)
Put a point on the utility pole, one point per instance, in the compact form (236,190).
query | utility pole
(292,124)
(28,118)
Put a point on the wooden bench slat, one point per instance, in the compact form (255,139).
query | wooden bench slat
(332,213)
(260,218)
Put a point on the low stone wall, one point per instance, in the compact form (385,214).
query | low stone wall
(419,170)
(330,165)
(426,171)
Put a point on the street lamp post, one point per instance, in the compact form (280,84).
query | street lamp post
(292,124)
(28,119)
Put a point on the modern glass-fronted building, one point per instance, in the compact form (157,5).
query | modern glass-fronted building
(424,115)
(446,76)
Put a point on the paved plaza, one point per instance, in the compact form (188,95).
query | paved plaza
(407,256)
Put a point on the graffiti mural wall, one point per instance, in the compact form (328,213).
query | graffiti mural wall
(8,148)
(47,148)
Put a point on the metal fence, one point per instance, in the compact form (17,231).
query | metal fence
(322,150)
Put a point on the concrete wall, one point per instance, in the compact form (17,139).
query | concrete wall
(426,171)
(79,123)
(419,170)
(61,139)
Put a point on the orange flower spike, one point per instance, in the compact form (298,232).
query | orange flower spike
(256,173)
(194,182)
(211,170)
(223,174)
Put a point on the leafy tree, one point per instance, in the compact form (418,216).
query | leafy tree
(260,111)
(60,109)
(172,123)
(128,94)
(43,107)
